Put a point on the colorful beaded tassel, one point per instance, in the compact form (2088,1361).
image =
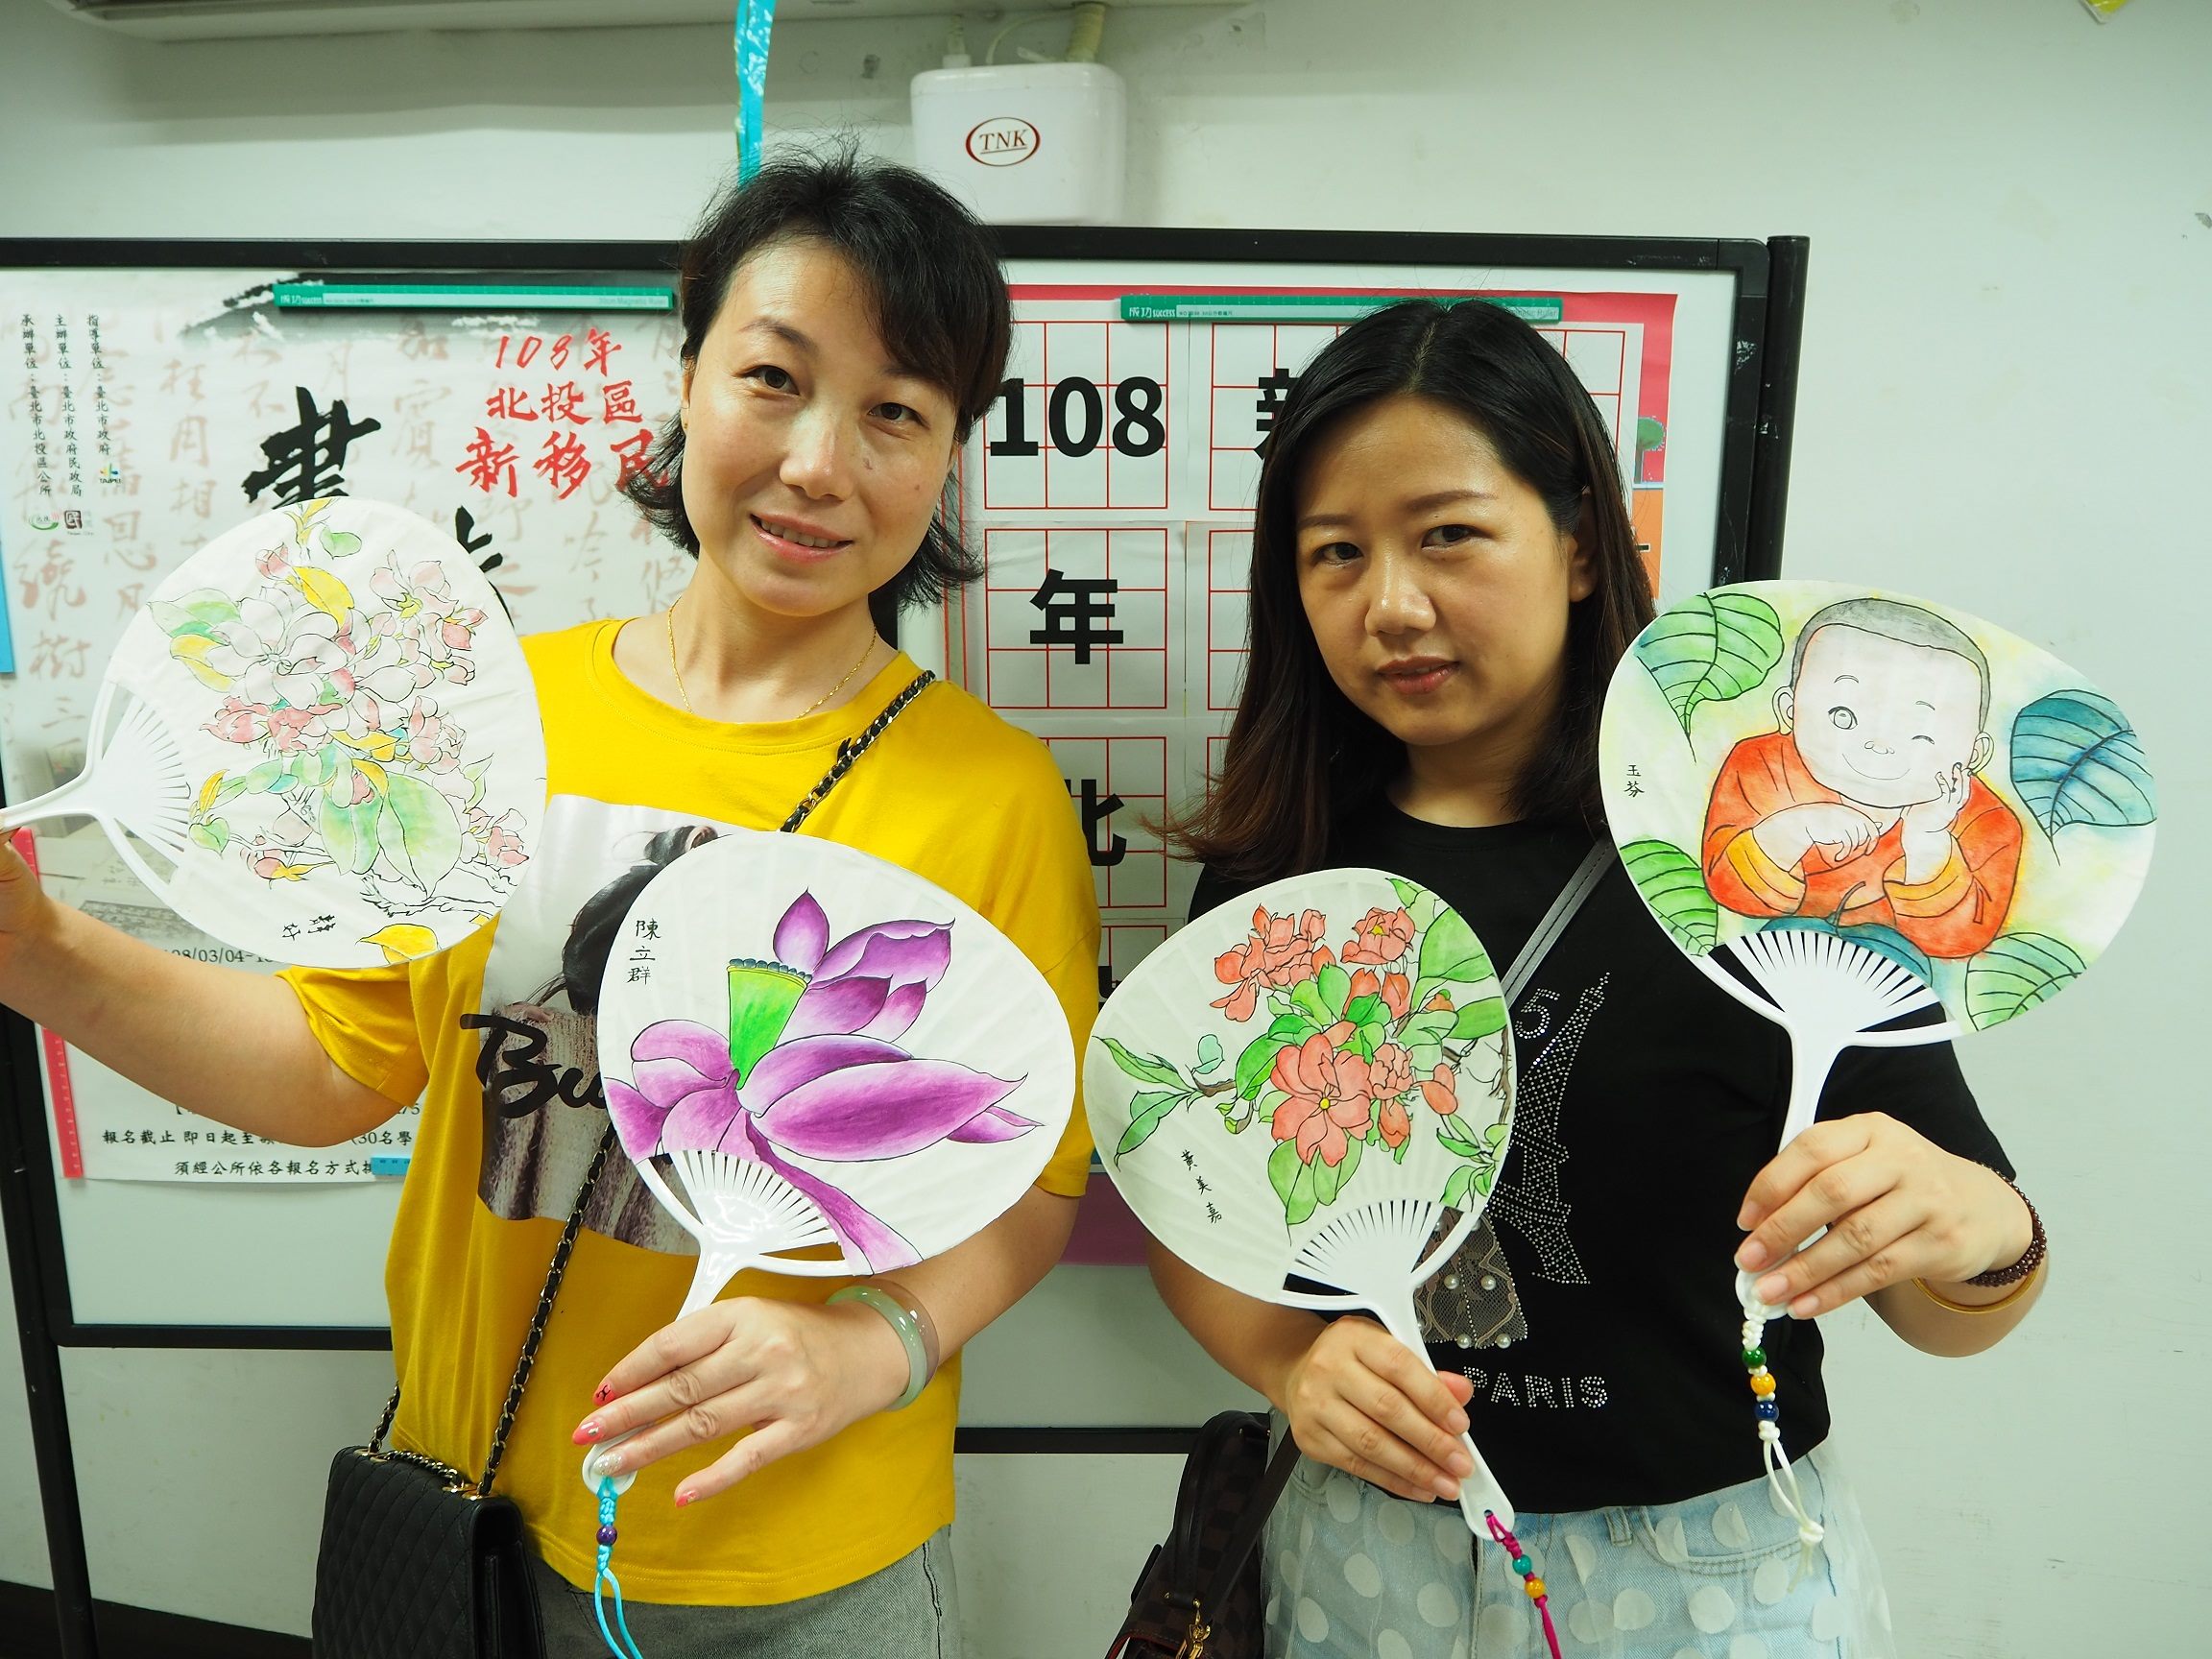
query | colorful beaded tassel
(1529,1582)
(604,1583)
(1779,1475)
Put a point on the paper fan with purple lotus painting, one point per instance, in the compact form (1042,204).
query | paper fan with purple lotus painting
(805,1046)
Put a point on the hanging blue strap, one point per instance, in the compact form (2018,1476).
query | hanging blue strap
(756,19)
(604,1583)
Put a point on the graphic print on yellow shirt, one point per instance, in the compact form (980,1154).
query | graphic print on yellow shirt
(544,1108)
(496,1035)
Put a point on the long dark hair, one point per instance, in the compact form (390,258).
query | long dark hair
(1299,753)
(932,281)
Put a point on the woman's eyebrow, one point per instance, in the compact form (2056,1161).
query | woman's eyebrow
(781,329)
(1418,504)
(805,342)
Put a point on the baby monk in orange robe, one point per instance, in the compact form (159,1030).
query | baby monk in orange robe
(1865,807)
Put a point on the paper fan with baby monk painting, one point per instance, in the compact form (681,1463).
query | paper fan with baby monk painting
(1873,820)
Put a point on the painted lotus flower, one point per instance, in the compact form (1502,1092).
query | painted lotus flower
(809,1066)
(1280,953)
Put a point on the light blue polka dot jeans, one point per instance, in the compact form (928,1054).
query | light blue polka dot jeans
(1353,1573)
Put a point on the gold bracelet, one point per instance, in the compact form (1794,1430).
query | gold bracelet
(2005,1301)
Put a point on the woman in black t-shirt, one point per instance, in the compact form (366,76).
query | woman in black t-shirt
(1444,576)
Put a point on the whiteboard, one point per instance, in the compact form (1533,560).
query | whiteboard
(170,416)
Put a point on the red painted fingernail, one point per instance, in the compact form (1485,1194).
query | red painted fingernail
(603,1393)
(685,1498)
(589,1433)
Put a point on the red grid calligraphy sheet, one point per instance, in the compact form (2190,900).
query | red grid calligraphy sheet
(1075,618)
(1116,782)
(1228,556)
(1122,945)
(1254,365)
(1082,421)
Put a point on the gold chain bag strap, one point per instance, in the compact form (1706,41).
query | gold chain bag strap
(416,1560)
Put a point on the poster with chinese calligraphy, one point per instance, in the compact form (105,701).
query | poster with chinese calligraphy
(142,414)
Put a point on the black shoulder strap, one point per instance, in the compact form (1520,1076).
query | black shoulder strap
(1249,1524)
(1579,886)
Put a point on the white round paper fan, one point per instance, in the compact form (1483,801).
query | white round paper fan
(1306,1094)
(1875,810)
(319,741)
(804,1046)
(1874,807)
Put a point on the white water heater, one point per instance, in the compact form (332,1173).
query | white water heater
(1025,143)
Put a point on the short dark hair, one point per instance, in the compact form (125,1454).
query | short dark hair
(1300,754)
(1906,624)
(932,282)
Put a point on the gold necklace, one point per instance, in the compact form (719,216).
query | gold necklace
(866,651)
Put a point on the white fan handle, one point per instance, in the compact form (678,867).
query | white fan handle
(717,1268)
(1479,1493)
(59,802)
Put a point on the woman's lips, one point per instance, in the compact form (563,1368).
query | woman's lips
(1417,678)
(778,535)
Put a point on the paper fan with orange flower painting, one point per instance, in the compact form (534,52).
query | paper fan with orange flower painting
(1306,1095)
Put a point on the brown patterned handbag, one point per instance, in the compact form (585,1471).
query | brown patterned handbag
(1199,1596)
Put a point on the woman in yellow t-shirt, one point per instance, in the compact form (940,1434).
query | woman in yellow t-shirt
(845,325)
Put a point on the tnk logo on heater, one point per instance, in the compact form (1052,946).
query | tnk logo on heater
(1002,141)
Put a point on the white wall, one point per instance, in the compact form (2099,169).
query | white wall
(2004,387)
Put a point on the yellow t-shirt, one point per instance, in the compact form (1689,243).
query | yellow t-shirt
(952,793)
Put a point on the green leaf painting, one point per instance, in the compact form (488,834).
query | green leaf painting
(1709,649)
(1146,1113)
(349,832)
(2015,973)
(418,832)
(1479,1020)
(2075,759)
(1209,1053)
(1450,951)
(1143,1066)
(1674,887)
(203,612)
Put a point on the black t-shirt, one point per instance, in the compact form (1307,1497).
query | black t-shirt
(1605,1331)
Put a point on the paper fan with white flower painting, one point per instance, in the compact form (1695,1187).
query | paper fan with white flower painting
(1306,1094)
(319,740)
(821,1062)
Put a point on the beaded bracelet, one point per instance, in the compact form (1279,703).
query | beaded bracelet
(921,1364)
(2030,1259)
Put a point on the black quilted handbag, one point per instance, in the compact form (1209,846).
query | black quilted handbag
(1198,1596)
(416,1560)
(415,1564)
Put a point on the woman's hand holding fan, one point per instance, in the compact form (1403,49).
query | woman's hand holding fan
(1876,822)
(823,1065)
(1306,1095)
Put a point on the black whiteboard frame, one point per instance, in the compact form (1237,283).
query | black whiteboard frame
(1759,411)
(1758,415)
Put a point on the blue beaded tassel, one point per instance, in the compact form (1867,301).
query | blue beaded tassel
(605,1584)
